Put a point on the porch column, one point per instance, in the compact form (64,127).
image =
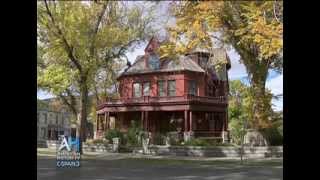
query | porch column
(142,120)
(190,124)
(97,122)
(106,120)
(147,121)
(101,123)
(185,120)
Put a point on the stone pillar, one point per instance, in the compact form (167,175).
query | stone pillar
(115,144)
(225,137)
(186,134)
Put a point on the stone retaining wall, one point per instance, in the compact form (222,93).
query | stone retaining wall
(41,144)
(97,147)
(196,151)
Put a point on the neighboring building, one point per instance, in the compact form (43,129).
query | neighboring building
(188,95)
(53,119)
(51,124)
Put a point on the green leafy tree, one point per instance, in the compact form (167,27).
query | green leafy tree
(76,39)
(241,109)
(253,28)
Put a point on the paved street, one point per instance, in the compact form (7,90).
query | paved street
(162,169)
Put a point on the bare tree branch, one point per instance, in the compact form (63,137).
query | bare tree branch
(274,11)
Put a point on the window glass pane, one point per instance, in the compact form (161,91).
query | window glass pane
(161,90)
(136,90)
(146,89)
(192,87)
(172,88)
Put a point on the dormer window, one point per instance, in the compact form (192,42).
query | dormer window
(153,62)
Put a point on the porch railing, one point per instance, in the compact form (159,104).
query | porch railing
(164,99)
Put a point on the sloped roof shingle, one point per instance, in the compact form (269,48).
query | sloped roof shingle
(166,65)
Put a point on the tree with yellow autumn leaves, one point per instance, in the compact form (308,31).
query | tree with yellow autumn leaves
(253,28)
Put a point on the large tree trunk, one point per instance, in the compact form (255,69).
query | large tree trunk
(260,107)
(83,110)
(258,72)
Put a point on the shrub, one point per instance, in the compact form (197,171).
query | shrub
(159,139)
(205,142)
(113,133)
(197,142)
(237,130)
(133,134)
(273,136)
(174,138)
(99,141)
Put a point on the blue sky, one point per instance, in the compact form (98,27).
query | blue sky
(237,71)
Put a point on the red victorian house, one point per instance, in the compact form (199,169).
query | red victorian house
(188,95)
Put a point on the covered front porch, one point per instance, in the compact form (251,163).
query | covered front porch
(186,123)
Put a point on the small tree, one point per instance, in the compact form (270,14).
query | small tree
(134,133)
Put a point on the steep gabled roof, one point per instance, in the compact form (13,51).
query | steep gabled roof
(184,63)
